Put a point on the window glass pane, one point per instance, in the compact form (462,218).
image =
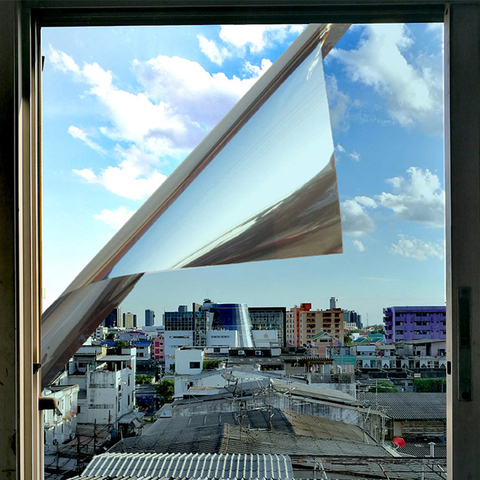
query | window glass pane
(260,186)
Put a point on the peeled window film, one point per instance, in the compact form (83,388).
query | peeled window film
(262,185)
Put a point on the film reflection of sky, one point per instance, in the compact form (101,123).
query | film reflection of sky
(285,143)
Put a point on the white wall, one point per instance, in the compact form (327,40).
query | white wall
(172,341)
(185,359)
(218,338)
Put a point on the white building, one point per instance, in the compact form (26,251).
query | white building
(106,380)
(265,338)
(222,338)
(173,340)
(60,425)
(189,360)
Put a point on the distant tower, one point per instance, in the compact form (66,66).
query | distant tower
(333,302)
(149,318)
(129,320)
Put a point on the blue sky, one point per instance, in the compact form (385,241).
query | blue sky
(105,90)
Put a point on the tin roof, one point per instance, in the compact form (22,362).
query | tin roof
(408,406)
(205,466)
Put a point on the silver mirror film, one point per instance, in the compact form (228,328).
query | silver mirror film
(262,185)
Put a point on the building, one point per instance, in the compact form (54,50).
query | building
(114,319)
(311,323)
(269,318)
(333,303)
(149,318)
(414,323)
(129,320)
(158,348)
(230,316)
(352,317)
(106,381)
(60,425)
(172,341)
(293,319)
(195,320)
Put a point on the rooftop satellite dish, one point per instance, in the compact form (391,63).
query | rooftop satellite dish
(398,442)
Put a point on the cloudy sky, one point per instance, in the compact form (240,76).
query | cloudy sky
(123,106)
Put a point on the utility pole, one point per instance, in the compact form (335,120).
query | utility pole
(94,436)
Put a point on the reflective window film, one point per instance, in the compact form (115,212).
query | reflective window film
(262,185)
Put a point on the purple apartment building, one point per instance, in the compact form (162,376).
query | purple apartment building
(414,323)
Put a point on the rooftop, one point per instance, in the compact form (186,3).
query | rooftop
(408,406)
(205,466)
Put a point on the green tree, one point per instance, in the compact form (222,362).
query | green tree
(383,387)
(143,379)
(429,384)
(166,389)
(122,344)
(210,364)
(111,336)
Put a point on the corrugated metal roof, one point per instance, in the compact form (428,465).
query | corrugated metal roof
(205,466)
(408,406)
(134,477)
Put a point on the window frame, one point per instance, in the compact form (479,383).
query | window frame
(20,218)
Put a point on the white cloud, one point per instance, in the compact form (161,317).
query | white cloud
(355,220)
(340,148)
(195,95)
(255,37)
(338,103)
(237,40)
(76,132)
(62,61)
(134,178)
(417,249)
(355,156)
(366,201)
(215,53)
(359,245)
(179,104)
(412,90)
(418,198)
(114,218)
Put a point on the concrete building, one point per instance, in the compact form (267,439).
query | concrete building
(60,425)
(269,318)
(333,303)
(222,338)
(314,322)
(129,320)
(158,348)
(188,361)
(293,319)
(106,380)
(414,323)
(172,341)
(143,348)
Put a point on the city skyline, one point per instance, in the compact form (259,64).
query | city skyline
(384,87)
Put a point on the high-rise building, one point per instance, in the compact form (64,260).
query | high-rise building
(269,318)
(114,319)
(149,318)
(293,318)
(414,323)
(351,316)
(129,320)
(195,320)
(333,303)
(313,322)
